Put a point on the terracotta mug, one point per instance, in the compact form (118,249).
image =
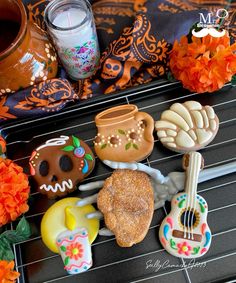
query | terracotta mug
(26,55)
(124,134)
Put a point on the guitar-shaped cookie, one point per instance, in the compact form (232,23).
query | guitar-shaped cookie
(185,232)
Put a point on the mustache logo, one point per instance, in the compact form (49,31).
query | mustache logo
(205,31)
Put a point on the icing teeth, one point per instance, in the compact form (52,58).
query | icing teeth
(61,187)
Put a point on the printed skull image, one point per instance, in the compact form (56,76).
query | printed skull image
(60,164)
(111,69)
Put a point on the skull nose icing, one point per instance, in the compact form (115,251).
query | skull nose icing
(54,178)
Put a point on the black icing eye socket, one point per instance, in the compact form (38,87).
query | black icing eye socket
(66,163)
(44,168)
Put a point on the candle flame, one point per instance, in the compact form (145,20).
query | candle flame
(70,220)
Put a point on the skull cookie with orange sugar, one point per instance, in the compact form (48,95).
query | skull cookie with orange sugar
(60,164)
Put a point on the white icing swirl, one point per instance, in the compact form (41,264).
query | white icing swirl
(54,142)
(61,187)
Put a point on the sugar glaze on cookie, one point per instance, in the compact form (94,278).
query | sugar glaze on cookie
(187,126)
(59,164)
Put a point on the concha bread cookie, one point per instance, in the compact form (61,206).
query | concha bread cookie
(127,202)
(187,126)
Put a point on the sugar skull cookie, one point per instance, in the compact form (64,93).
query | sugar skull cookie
(60,164)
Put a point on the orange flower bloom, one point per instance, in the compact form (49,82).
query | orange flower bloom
(74,251)
(2,145)
(14,191)
(205,64)
(7,274)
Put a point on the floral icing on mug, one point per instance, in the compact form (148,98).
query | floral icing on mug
(124,134)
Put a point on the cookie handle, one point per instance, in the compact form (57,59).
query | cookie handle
(149,123)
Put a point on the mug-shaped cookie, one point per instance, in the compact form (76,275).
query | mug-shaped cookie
(124,134)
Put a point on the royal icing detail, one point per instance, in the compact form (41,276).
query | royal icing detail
(185,232)
(54,142)
(75,250)
(187,126)
(61,187)
(132,136)
(79,152)
(59,164)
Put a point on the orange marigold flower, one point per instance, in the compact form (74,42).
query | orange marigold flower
(7,274)
(14,191)
(205,64)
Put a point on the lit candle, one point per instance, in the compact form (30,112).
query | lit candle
(71,26)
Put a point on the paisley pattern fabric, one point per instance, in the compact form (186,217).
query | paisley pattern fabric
(135,39)
(46,97)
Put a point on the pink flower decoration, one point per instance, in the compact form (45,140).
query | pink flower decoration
(184,248)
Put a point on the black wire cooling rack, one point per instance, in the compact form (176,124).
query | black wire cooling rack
(147,261)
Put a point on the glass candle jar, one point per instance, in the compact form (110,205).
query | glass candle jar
(71,26)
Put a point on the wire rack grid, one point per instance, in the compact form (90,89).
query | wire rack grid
(112,263)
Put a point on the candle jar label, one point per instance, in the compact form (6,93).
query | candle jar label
(82,60)
(75,250)
(72,28)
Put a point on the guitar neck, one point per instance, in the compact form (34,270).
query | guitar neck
(192,173)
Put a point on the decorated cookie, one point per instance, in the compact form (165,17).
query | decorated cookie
(59,164)
(127,202)
(188,126)
(124,134)
(75,250)
(63,219)
(185,232)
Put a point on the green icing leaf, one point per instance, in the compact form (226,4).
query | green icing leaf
(104,146)
(181,203)
(68,148)
(67,260)
(195,250)
(127,146)
(135,146)
(121,132)
(76,141)
(63,248)
(202,207)
(89,157)
(172,244)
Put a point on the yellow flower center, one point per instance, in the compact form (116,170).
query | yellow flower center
(75,251)
(184,248)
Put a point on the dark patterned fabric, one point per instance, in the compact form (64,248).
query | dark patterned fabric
(46,97)
(135,39)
